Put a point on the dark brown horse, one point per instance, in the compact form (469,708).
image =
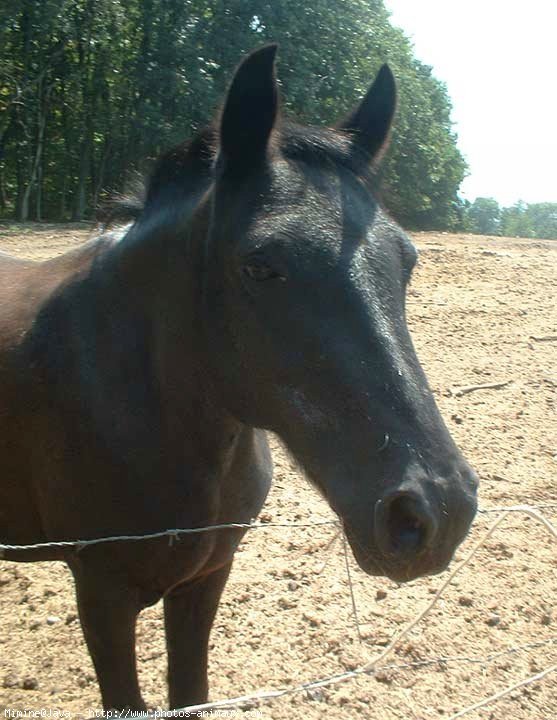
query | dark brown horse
(260,286)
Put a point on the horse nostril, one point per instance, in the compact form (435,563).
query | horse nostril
(406,530)
(404,525)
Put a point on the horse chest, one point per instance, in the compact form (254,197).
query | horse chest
(240,494)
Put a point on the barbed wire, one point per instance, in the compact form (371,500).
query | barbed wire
(507,691)
(248,701)
(373,666)
(174,533)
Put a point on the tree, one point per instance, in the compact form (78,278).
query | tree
(484,216)
(538,220)
(90,90)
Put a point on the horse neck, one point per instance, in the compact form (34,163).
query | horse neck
(160,275)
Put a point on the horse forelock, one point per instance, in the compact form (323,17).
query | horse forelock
(325,148)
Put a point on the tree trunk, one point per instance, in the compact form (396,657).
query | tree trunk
(3,194)
(101,173)
(39,194)
(80,204)
(36,167)
(63,209)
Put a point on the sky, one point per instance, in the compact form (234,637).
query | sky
(498,59)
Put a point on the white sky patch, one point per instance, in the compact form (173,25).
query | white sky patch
(499,62)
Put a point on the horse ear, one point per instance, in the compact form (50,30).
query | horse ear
(371,121)
(250,111)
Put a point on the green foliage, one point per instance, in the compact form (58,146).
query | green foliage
(538,220)
(91,89)
(484,216)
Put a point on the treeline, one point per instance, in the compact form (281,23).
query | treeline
(486,217)
(91,89)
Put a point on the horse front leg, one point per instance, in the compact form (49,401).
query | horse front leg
(189,611)
(108,610)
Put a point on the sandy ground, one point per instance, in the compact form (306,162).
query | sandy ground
(478,307)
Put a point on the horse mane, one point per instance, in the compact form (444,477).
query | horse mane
(176,174)
(187,169)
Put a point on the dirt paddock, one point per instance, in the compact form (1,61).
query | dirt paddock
(482,311)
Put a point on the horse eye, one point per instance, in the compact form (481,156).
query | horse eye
(261,271)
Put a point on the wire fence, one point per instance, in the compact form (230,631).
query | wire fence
(377,664)
(174,533)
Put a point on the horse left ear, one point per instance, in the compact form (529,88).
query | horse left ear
(370,123)
(249,113)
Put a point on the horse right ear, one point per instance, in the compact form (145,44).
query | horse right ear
(249,113)
(370,123)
